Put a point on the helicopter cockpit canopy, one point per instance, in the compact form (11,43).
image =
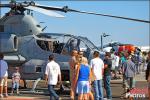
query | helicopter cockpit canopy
(88,42)
(64,43)
(52,42)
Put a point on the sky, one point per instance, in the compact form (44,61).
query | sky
(92,27)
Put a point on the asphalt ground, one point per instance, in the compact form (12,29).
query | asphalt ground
(42,92)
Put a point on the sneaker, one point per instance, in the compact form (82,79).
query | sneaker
(104,98)
(71,98)
(11,94)
(123,97)
(18,92)
(1,96)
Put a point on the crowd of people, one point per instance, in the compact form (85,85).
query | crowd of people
(87,77)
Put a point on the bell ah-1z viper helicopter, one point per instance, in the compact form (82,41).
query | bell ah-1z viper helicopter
(24,43)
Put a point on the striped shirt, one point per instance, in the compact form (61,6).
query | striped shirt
(16,77)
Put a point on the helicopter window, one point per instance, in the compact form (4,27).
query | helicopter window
(73,44)
(38,25)
(86,50)
(56,43)
(43,45)
(50,45)
(78,44)
(38,69)
(58,47)
(82,46)
(1,28)
(88,43)
(53,46)
(15,42)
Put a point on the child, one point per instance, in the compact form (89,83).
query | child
(15,80)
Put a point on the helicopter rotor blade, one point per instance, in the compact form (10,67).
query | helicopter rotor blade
(44,11)
(47,10)
(66,9)
(4,5)
(50,7)
(120,17)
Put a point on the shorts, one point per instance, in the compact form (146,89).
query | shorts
(3,81)
(83,87)
(15,85)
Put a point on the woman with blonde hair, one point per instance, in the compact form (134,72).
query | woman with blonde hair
(91,78)
(82,78)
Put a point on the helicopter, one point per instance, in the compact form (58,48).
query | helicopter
(25,44)
(118,47)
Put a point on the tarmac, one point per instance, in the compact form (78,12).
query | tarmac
(42,92)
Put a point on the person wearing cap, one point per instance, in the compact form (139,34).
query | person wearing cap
(3,76)
(52,77)
(16,80)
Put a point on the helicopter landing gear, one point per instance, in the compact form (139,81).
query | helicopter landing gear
(35,84)
(25,84)
(33,91)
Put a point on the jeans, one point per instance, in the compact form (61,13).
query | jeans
(52,93)
(128,82)
(98,89)
(137,68)
(16,85)
(107,86)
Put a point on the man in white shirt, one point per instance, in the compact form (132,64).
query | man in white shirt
(115,65)
(52,75)
(117,68)
(97,66)
(3,76)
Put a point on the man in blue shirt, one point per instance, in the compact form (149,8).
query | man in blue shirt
(3,76)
